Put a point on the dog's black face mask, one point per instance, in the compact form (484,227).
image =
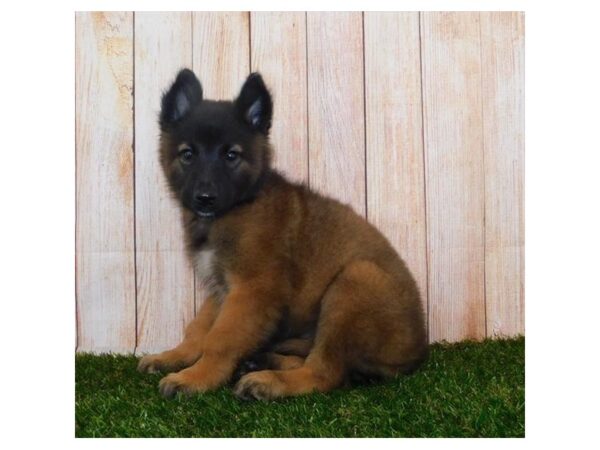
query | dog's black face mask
(215,153)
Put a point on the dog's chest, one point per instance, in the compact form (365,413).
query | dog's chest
(204,264)
(209,274)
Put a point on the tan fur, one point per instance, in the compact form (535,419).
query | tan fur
(297,261)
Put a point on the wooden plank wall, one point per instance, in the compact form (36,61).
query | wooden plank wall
(104,236)
(165,279)
(394,145)
(414,119)
(453,136)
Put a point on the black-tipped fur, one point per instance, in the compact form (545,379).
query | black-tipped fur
(254,104)
(179,100)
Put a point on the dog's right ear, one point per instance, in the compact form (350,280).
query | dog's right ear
(182,96)
(254,105)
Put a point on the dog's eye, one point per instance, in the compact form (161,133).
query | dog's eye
(232,155)
(186,155)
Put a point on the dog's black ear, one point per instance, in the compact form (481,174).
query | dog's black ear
(254,105)
(182,96)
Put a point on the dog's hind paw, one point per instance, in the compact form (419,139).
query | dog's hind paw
(263,385)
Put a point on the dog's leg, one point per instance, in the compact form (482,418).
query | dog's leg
(315,374)
(248,316)
(188,352)
(269,360)
(295,346)
(277,361)
(362,323)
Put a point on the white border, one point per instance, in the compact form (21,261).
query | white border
(562,225)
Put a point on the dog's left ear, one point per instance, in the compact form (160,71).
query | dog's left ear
(183,95)
(254,105)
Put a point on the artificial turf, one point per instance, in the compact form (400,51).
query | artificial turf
(469,389)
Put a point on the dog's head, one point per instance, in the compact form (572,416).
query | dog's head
(215,154)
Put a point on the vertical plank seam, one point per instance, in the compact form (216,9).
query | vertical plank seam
(249,41)
(77,324)
(485,306)
(135,274)
(365,116)
(425,212)
(307,100)
(192,67)
(520,31)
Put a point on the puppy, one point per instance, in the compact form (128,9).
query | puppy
(299,284)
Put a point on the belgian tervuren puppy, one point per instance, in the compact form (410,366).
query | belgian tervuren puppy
(297,281)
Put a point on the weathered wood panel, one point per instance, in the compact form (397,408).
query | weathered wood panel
(336,116)
(278,52)
(395,173)
(165,279)
(454,174)
(221,52)
(503,83)
(429,146)
(105,285)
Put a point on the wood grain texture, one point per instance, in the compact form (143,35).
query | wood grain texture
(454,174)
(336,106)
(105,284)
(395,172)
(221,52)
(278,52)
(503,82)
(429,146)
(165,279)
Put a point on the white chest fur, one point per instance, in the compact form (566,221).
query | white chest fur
(209,276)
(205,265)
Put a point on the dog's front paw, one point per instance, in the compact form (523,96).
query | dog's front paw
(171,384)
(263,385)
(185,382)
(162,362)
(151,364)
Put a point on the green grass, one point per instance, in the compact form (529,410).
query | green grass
(466,389)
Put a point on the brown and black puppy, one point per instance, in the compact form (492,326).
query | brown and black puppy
(298,278)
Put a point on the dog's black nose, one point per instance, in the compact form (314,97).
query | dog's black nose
(205,199)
